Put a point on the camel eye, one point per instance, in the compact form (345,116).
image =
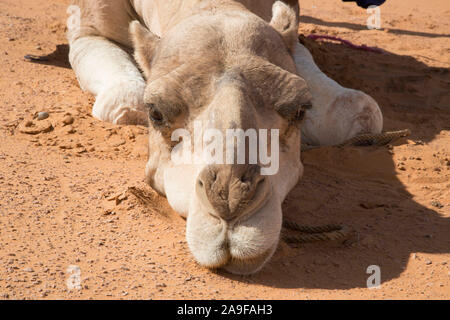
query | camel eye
(293,113)
(300,114)
(155,115)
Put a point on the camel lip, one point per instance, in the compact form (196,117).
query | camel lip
(235,265)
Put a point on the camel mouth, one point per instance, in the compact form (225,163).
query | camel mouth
(241,246)
(241,264)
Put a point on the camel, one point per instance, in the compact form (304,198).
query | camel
(226,65)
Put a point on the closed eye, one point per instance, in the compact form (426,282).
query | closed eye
(293,112)
(154,114)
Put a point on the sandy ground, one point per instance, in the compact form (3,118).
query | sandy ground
(54,186)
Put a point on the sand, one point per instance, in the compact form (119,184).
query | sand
(57,224)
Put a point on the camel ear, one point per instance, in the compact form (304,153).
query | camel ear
(145,43)
(285,21)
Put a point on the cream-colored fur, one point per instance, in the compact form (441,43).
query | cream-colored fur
(225,64)
(338,113)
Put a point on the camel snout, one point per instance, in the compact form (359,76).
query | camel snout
(232,191)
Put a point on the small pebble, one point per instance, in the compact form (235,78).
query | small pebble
(42,115)
(68,120)
(69,129)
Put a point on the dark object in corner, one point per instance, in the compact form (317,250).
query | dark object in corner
(366,3)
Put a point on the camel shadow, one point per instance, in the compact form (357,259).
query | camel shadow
(358,27)
(361,186)
(58,58)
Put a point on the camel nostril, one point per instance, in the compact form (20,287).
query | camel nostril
(250,175)
(200,183)
(260,182)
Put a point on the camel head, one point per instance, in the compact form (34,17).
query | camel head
(214,75)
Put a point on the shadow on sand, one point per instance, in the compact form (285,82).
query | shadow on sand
(58,58)
(355,26)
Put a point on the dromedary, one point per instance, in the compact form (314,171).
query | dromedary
(227,65)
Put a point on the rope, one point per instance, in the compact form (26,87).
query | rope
(291,225)
(367,139)
(329,232)
(375,139)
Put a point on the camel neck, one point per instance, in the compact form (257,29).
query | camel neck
(161,15)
